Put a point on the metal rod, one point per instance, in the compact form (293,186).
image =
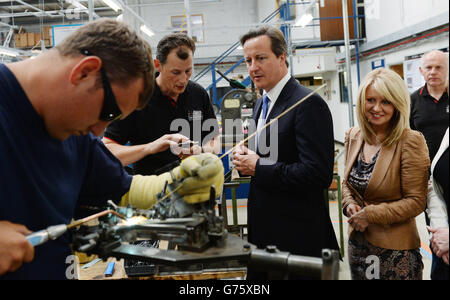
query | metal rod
(348,62)
(91,10)
(8,25)
(30,6)
(341,222)
(49,13)
(93,217)
(214,86)
(170,193)
(355,28)
(137,16)
(187,6)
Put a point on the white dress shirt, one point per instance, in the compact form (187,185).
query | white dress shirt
(275,92)
(273,95)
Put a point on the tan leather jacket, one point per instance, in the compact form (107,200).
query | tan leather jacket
(397,190)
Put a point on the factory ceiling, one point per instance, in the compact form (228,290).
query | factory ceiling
(23,13)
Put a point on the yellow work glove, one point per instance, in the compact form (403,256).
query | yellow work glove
(200,172)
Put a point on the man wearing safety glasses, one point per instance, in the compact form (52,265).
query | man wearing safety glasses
(51,109)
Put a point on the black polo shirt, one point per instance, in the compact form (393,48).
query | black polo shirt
(430,117)
(190,116)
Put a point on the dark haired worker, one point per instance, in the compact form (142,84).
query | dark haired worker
(177,103)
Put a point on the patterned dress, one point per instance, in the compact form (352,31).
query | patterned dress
(368,261)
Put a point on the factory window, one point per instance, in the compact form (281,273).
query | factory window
(179,24)
(343,86)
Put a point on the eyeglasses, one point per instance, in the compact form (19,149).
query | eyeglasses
(110,110)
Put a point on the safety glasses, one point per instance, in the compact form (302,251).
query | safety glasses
(110,110)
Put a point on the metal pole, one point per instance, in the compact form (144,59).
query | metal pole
(136,15)
(8,37)
(348,62)
(214,88)
(91,10)
(330,264)
(355,25)
(41,23)
(289,38)
(188,17)
(8,25)
(341,226)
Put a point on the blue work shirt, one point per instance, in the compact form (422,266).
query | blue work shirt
(43,180)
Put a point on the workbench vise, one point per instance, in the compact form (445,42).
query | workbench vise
(199,235)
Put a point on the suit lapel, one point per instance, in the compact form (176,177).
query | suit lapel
(283,100)
(381,167)
(280,104)
(257,110)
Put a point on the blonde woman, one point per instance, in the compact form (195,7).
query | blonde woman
(385,182)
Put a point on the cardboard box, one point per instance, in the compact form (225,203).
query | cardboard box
(17,40)
(37,37)
(47,30)
(20,40)
(24,37)
(30,39)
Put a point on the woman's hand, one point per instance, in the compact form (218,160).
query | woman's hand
(352,209)
(359,221)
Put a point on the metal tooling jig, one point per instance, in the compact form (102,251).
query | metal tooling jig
(199,235)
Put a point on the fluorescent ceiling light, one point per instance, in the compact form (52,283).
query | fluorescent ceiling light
(76,3)
(113,4)
(147,30)
(8,52)
(304,20)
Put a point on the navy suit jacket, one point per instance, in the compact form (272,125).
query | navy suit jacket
(286,205)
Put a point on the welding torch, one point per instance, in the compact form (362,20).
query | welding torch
(53,232)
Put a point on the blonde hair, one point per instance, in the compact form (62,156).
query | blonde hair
(392,87)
